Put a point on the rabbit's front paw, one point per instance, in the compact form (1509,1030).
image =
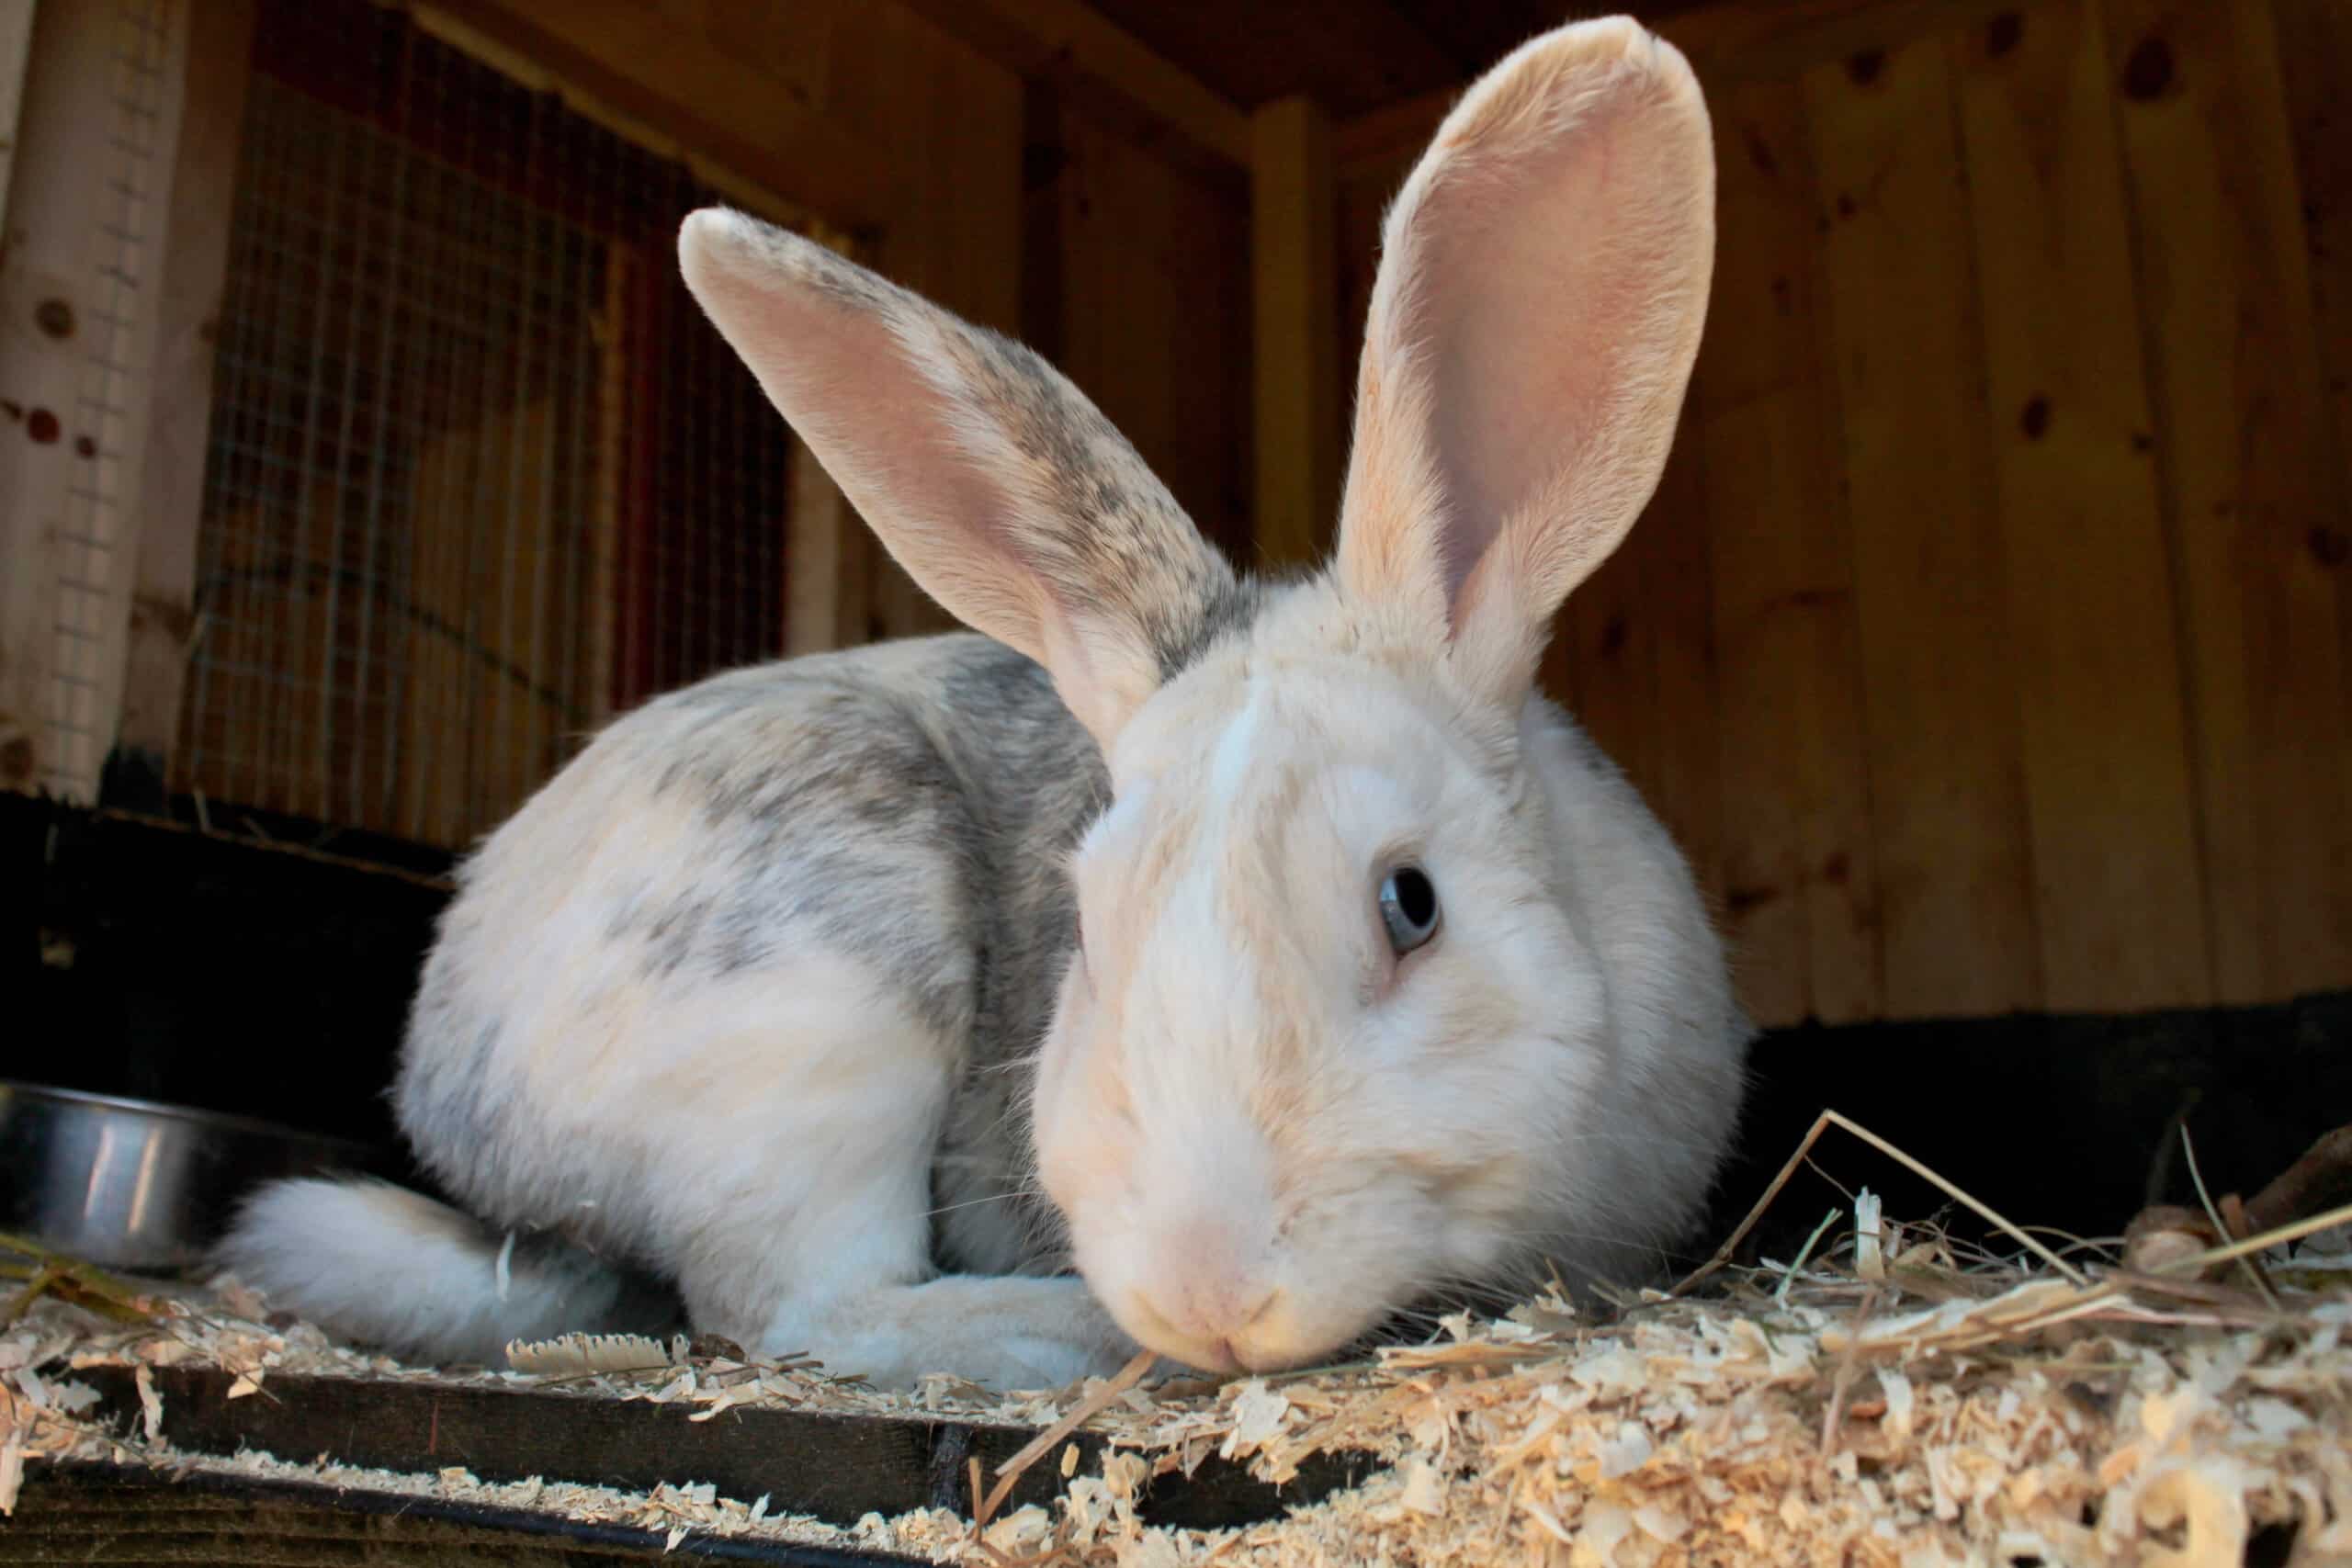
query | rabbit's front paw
(1006,1333)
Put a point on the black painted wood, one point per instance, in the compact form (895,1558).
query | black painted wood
(109,1517)
(832,1467)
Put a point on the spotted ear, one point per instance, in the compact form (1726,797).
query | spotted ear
(1542,285)
(1003,493)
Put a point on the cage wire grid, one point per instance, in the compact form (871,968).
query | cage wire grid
(479,473)
(93,531)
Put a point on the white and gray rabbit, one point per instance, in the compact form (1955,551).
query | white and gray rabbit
(1272,955)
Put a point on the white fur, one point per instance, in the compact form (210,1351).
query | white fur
(1263,1130)
(1310,1134)
(1238,754)
(1238,1105)
(754,1135)
(404,1272)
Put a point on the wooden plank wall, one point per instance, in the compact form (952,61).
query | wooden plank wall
(1139,292)
(1988,643)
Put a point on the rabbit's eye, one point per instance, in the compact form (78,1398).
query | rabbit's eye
(1409,908)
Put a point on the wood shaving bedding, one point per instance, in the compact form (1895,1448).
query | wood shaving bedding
(1886,1403)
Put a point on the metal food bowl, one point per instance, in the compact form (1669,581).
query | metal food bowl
(136,1185)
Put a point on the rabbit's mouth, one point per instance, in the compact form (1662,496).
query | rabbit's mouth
(1228,1298)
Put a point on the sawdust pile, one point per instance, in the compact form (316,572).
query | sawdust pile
(1886,1398)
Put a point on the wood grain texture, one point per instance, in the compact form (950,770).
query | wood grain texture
(1946,802)
(1738,40)
(1603,664)
(1092,57)
(1677,563)
(1154,318)
(2250,485)
(652,71)
(1959,699)
(2024,439)
(1351,56)
(2118,891)
(1730,44)
(1639,667)
(1798,868)
(2315,68)
(1292,213)
(1348,55)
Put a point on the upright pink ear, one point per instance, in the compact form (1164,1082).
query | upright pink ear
(1543,285)
(1003,491)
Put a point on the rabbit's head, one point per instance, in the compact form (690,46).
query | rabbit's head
(1333,1034)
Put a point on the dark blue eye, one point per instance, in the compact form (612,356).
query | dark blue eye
(1409,908)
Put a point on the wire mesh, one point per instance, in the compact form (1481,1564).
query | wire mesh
(91,531)
(478,472)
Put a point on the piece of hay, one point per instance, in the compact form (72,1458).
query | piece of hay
(1098,1400)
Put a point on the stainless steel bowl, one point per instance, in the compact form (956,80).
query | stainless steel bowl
(136,1185)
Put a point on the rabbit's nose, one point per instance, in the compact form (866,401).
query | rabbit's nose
(1212,1343)
(1221,1307)
(1206,1293)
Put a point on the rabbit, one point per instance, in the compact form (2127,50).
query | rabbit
(1224,967)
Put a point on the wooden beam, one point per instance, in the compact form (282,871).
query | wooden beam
(15,54)
(1392,132)
(1296,265)
(1948,826)
(1732,41)
(820,532)
(77,315)
(1727,42)
(1070,43)
(2108,762)
(627,67)
(195,267)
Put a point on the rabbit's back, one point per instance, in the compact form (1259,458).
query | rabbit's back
(736,898)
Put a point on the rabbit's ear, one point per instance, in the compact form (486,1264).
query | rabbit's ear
(1003,491)
(1543,282)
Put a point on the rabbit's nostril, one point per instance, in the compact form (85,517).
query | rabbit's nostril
(1213,1307)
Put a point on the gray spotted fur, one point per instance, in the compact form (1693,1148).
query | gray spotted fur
(909,807)
(798,772)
